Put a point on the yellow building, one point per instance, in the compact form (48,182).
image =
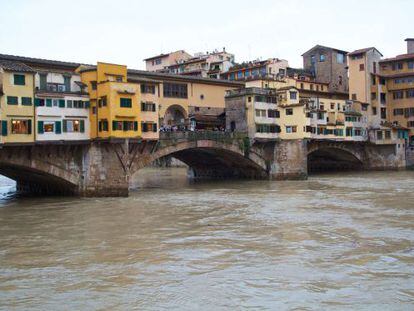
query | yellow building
(118,109)
(16,102)
(177,96)
(396,79)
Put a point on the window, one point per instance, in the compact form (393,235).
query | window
(124,125)
(79,104)
(118,78)
(158,61)
(332,106)
(55,102)
(398,94)
(21,126)
(175,90)
(292,95)
(354,96)
(387,134)
(340,58)
(410,93)
(26,101)
(103,125)
(289,112)
(379,135)
(373,96)
(400,66)
(410,65)
(239,74)
(267,128)
(273,113)
(74,126)
(322,57)
(102,102)
(311,87)
(301,86)
(126,102)
(410,124)
(147,88)
(260,113)
(19,79)
(93,85)
(12,100)
(374,111)
(249,99)
(149,127)
(361,67)
(398,112)
(291,129)
(69,103)
(148,106)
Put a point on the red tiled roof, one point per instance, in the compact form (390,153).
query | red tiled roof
(398,57)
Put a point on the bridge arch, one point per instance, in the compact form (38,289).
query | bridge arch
(210,159)
(39,172)
(334,157)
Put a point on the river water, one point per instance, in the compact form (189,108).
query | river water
(335,241)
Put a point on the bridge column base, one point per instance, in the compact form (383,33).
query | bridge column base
(289,160)
(104,175)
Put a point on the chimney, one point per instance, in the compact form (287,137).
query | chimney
(410,45)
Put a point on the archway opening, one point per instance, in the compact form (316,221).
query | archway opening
(212,163)
(332,160)
(175,118)
(34,182)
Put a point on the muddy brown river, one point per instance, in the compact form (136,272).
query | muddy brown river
(336,241)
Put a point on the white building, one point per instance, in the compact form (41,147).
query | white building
(62,107)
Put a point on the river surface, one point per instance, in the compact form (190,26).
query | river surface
(335,241)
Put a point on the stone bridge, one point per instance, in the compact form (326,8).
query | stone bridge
(104,167)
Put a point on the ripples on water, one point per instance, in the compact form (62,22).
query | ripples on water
(339,241)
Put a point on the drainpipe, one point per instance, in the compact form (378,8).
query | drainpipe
(34,110)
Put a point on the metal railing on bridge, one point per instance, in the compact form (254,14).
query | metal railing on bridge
(219,136)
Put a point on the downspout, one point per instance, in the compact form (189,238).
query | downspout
(34,110)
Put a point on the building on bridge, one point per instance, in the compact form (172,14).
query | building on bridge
(385,88)
(16,102)
(253,111)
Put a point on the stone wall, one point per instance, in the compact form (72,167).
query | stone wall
(290,160)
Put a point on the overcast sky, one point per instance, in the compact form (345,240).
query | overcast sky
(126,32)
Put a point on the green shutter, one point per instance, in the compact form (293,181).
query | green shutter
(125,125)
(37,102)
(65,126)
(58,127)
(19,79)
(26,101)
(48,102)
(135,126)
(154,127)
(29,126)
(61,103)
(12,100)
(114,127)
(4,128)
(40,127)
(82,126)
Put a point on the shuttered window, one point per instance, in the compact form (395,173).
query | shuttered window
(58,127)
(26,101)
(126,102)
(61,103)
(12,100)
(19,79)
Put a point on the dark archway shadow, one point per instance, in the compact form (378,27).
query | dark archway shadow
(333,160)
(35,182)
